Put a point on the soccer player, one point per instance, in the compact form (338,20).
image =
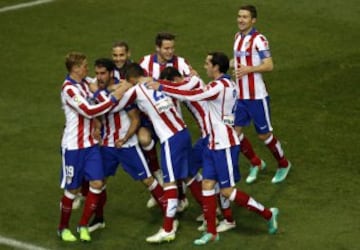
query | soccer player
(174,138)
(120,144)
(80,152)
(221,158)
(120,53)
(200,112)
(121,57)
(153,65)
(252,57)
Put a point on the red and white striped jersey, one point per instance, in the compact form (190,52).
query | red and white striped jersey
(158,107)
(221,96)
(153,68)
(76,99)
(198,109)
(116,123)
(250,50)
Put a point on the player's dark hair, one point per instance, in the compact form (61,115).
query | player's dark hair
(121,44)
(106,63)
(134,70)
(251,9)
(74,59)
(161,36)
(220,59)
(169,73)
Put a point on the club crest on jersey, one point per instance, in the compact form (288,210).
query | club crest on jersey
(77,99)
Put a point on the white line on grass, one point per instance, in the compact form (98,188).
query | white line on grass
(18,244)
(24,5)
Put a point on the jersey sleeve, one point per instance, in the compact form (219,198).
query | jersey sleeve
(126,100)
(83,107)
(262,46)
(184,67)
(210,92)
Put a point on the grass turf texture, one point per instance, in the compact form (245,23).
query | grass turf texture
(315,111)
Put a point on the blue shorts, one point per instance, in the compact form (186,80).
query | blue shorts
(175,156)
(197,152)
(222,166)
(80,164)
(131,159)
(257,111)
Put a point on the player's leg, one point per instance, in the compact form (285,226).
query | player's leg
(94,172)
(174,161)
(71,178)
(148,145)
(244,200)
(134,163)
(264,129)
(209,199)
(229,174)
(243,118)
(80,196)
(110,164)
(228,221)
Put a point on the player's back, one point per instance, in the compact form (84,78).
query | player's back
(161,110)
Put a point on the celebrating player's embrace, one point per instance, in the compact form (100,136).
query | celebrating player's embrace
(128,107)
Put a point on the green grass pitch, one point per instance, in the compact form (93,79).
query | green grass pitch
(315,112)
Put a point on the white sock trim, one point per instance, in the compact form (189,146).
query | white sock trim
(150,146)
(241,137)
(95,191)
(268,140)
(153,185)
(69,195)
(210,192)
(232,195)
(170,187)
(191,181)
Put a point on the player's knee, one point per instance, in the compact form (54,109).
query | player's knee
(226,192)
(264,137)
(208,184)
(148,181)
(98,184)
(238,130)
(144,137)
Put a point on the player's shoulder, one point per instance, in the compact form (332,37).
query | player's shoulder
(145,59)
(67,85)
(237,34)
(260,37)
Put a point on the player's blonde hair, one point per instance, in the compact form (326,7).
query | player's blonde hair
(74,59)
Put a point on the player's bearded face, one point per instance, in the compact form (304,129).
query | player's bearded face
(103,77)
(166,51)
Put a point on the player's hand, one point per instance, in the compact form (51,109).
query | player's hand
(153,85)
(119,91)
(96,133)
(193,72)
(120,142)
(242,70)
(93,86)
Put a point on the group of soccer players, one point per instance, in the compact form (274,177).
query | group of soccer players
(129,107)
